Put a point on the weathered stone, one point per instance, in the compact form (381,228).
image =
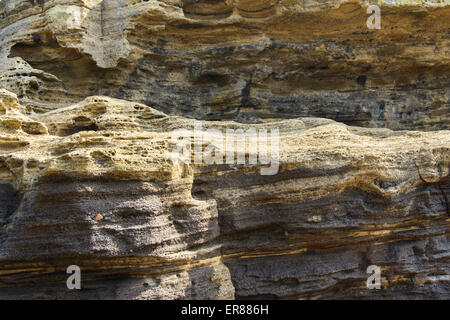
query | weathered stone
(344,198)
(248,61)
(91,92)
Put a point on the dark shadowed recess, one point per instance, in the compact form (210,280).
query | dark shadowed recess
(9,202)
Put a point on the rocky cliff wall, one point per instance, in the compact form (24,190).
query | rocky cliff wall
(241,60)
(94,90)
(94,185)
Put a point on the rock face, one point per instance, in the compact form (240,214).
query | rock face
(94,90)
(240,60)
(94,185)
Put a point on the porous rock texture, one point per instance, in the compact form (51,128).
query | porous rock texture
(244,60)
(92,91)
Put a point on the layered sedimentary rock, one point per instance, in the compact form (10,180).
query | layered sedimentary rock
(95,185)
(248,61)
(92,91)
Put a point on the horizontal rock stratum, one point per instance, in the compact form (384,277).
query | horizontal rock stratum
(94,185)
(244,60)
(92,91)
